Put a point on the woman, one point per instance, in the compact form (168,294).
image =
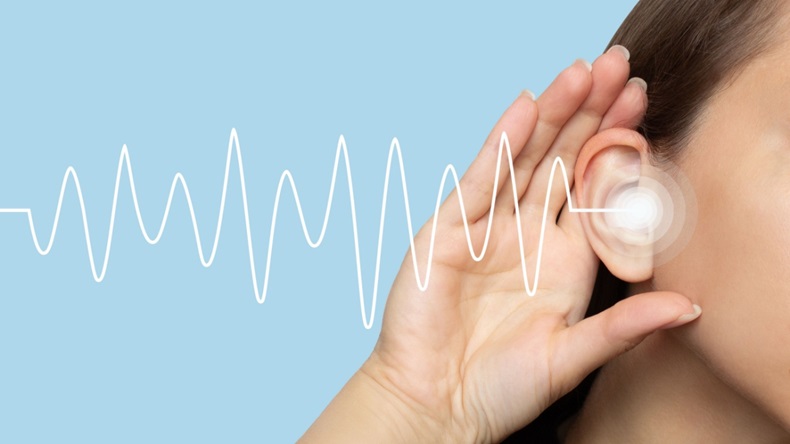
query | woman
(473,358)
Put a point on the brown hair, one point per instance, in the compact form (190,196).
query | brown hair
(686,51)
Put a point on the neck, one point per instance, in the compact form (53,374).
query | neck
(661,392)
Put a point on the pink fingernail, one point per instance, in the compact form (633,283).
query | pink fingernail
(529,93)
(639,82)
(690,316)
(586,64)
(622,50)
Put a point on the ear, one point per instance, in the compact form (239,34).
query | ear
(607,176)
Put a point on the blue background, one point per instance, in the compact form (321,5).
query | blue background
(165,350)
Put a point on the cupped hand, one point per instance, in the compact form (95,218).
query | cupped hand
(474,354)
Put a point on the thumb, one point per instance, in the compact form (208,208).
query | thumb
(592,342)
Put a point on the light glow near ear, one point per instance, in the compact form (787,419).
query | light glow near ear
(652,208)
(645,211)
(642,210)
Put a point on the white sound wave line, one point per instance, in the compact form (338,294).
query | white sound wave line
(234,147)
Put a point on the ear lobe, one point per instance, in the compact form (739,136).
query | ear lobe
(607,177)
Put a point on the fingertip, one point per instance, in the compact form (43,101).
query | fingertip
(636,92)
(580,73)
(522,113)
(620,49)
(527,102)
(629,108)
(529,94)
(685,318)
(609,76)
(567,92)
(587,65)
(638,81)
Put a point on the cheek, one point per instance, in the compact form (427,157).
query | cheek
(736,267)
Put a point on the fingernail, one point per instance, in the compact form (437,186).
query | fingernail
(690,316)
(586,64)
(639,82)
(529,93)
(622,50)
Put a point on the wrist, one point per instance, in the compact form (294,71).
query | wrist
(369,410)
(371,407)
(415,421)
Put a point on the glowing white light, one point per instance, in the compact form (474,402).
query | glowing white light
(652,209)
(642,210)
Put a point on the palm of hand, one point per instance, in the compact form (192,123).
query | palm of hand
(474,344)
(475,328)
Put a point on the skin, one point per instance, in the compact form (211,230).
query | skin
(726,377)
(473,358)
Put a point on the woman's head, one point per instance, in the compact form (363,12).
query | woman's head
(718,73)
(719,109)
